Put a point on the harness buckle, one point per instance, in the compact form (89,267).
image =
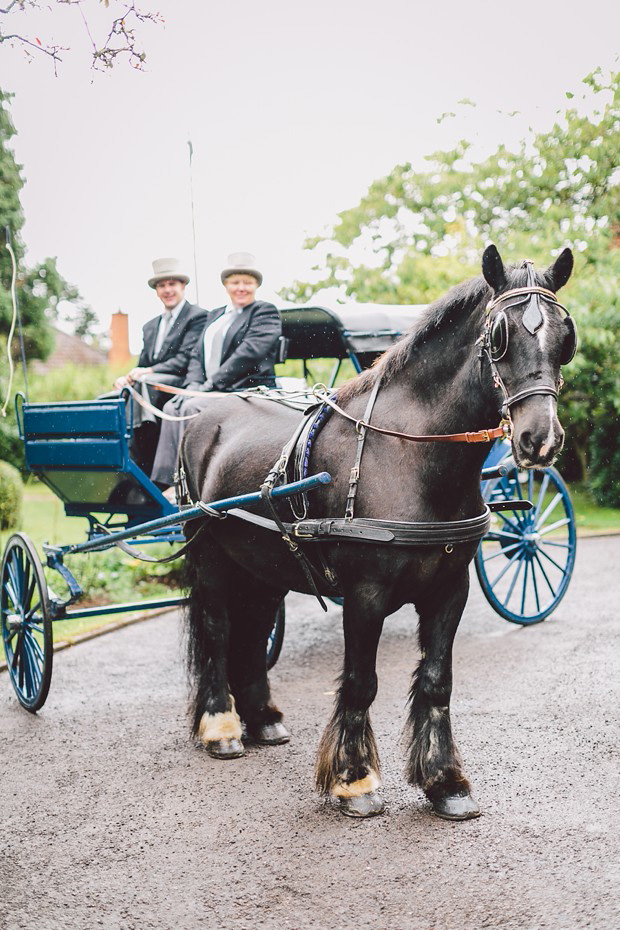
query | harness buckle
(299,533)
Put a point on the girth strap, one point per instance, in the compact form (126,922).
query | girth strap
(365,529)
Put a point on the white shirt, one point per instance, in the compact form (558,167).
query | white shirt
(214,338)
(165,328)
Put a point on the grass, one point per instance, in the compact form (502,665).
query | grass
(590,518)
(106,578)
(112,577)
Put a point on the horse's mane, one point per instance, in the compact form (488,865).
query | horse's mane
(459,302)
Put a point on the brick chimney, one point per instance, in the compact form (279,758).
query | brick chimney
(119,353)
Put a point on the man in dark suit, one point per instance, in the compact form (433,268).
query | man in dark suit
(238,349)
(168,343)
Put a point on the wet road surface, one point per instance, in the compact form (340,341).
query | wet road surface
(111,818)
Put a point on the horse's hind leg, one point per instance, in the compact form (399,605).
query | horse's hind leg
(252,610)
(216,723)
(348,761)
(434,760)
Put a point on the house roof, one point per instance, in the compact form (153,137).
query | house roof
(68,350)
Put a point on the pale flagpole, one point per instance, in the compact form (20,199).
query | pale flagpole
(191,190)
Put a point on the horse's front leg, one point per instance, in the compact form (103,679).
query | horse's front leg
(434,760)
(216,723)
(348,761)
(253,606)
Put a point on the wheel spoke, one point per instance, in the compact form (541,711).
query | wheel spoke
(558,545)
(33,665)
(30,592)
(29,674)
(524,588)
(36,649)
(551,506)
(553,562)
(19,564)
(32,610)
(554,526)
(502,551)
(497,534)
(514,525)
(506,567)
(534,582)
(540,565)
(513,582)
(10,590)
(14,575)
(544,484)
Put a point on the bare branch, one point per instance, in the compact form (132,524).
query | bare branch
(52,50)
(121,38)
(13,3)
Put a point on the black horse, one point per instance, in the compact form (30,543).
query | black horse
(496,341)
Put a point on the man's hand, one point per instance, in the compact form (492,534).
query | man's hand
(136,374)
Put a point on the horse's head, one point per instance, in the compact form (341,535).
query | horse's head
(527,337)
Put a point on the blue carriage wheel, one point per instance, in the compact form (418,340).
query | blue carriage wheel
(26,623)
(276,638)
(525,562)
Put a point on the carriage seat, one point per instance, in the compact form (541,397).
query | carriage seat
(80,449)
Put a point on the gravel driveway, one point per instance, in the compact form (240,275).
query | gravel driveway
(111,818)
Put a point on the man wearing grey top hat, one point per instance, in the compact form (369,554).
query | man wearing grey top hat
(238,349)
(168,343)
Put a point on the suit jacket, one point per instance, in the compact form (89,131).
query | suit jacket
(249,350)
(179,344)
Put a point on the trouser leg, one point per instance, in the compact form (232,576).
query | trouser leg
(165,463)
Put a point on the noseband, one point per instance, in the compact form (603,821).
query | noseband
(494,339)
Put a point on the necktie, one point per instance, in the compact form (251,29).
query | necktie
(162,332)
(218,330)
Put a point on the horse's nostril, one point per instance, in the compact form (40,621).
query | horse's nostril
(525,441)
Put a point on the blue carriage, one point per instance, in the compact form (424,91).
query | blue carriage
(81,450)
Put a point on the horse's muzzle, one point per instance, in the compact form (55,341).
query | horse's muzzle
(537,436)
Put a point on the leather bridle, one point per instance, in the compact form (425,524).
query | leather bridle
(494,339)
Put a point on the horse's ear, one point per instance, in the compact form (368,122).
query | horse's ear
(558,274)
(493,269)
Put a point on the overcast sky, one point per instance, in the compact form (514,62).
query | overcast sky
(293,109)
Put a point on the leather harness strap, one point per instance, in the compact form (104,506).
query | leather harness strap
(365,529)
(481,435)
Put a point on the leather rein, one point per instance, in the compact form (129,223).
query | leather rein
(322,394)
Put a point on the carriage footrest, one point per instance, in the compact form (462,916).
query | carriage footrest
(495,506)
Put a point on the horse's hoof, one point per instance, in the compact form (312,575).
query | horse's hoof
(456,807)
(364,805)
(270,734)
(225,748)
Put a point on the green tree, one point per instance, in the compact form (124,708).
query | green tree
(40,290)
(415,233)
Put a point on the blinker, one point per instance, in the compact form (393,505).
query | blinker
(498,336)
(570,341)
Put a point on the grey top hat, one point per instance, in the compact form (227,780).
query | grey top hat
(164,268)
(241,263)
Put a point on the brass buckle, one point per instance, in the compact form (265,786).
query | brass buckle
(299,534)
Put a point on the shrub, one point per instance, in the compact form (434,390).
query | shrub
(11,495)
